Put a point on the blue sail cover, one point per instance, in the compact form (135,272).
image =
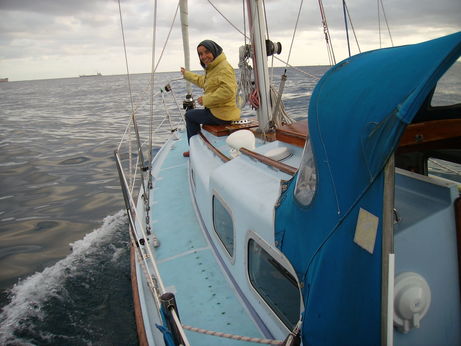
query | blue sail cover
(357,113)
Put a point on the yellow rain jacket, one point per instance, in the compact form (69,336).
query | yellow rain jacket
(220,88)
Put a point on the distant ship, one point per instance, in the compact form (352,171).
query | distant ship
(3,79)
(91,75)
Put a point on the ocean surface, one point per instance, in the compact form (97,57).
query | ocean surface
(64,244)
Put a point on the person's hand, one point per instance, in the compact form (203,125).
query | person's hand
(183,70)
(200,101)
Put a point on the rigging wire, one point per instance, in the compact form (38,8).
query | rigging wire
(297,69)
(347,30)
(167,38)
(380,2)
(331,53)
(387,24)
(352,26)
(294,32)
(247,37)
(133,115)
(228,20)
(126,57)
(379,24)
(152,78)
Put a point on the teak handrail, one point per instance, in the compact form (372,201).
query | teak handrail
(270,162)
(261,158)
(214,149)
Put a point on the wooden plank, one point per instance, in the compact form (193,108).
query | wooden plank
(431,131)
(295,133)
(214,149)
(270,162)
(225,130)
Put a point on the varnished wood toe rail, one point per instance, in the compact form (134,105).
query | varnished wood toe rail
(214,149)
(270,162)
(259,157)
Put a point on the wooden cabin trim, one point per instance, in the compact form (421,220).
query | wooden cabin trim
(141,331)
(295,133)
(270,162)
(429,132)
(264,159)
(225,130)
(214,149)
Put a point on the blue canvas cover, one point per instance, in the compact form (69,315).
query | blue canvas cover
(357,114)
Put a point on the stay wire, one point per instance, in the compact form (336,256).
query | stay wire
(228,20)
(326,31)
(387,24)
(294,32)
(133,115)
(352,27)
(152,79)
(126,57)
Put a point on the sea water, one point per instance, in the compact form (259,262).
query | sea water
(64,244)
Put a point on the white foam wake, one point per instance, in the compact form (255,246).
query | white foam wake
(28,295)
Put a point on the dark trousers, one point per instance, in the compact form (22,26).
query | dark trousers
(195,117)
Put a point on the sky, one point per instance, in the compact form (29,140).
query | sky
(44,39)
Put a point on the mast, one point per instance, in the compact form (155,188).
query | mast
(184,15)
(257,23)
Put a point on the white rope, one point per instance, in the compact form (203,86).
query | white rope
(233,336)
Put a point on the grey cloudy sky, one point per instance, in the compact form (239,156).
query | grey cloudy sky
(65,38)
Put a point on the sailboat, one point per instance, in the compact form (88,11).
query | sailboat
(321,232)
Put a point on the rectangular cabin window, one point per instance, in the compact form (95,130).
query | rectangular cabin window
(274,284)
(223,225)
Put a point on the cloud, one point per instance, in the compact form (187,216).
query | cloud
(51,39)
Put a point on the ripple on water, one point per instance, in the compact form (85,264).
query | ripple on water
(75,160)
(15,250)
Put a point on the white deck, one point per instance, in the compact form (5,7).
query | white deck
(188,267)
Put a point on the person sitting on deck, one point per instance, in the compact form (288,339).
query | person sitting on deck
(220,89)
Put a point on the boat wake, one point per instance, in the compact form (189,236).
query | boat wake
(74,300)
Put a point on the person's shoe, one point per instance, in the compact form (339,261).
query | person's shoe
(186,154)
